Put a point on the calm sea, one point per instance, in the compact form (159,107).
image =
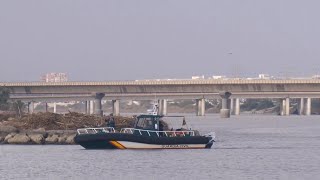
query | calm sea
(247,147)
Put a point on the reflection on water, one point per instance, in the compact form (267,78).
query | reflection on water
(247,147)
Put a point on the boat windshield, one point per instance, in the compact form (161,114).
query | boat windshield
(148,122)
(157,123)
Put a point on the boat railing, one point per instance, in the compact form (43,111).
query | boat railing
(158,133)
(96,130)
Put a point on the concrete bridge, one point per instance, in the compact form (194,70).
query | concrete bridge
(304,89)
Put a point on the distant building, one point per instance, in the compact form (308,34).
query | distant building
(54,77)
(219,77)
(264,76)
(197,77)
(316,77)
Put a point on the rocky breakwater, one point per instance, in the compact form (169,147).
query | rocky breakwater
(50,128)
(12,135)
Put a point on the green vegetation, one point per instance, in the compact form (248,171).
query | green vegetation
(17,106)
(4,97)
(257,104)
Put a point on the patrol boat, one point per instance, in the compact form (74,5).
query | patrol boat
(147,133)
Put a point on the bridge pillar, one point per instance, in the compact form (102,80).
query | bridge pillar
(301,107)
(54,107)
(282,107)
(91,107)
(28,107)
(237,107)
(31,107)
(232,106)
(165,107)
(308,107)
(116,107)
(287,106)
(87,107)
(98,103)
(162,107)
(201,107)
(46,106)
(225,110)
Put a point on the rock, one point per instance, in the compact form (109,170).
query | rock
(9,136)
(11,119)
(70,139)
(37,132)
(19,139)
(37,138)
(5,130)
(62,139)
(40,130)
(53,139)
(1,139)
(61,132)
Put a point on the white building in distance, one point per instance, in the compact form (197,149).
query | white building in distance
(197,77)
(218,77)
(54,77)
(264,76)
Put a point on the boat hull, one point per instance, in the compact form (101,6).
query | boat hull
(131,141)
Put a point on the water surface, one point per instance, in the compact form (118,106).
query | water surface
(247,147)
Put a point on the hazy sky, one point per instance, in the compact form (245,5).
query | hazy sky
(142,39)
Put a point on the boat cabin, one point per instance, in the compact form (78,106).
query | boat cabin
(149,122)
